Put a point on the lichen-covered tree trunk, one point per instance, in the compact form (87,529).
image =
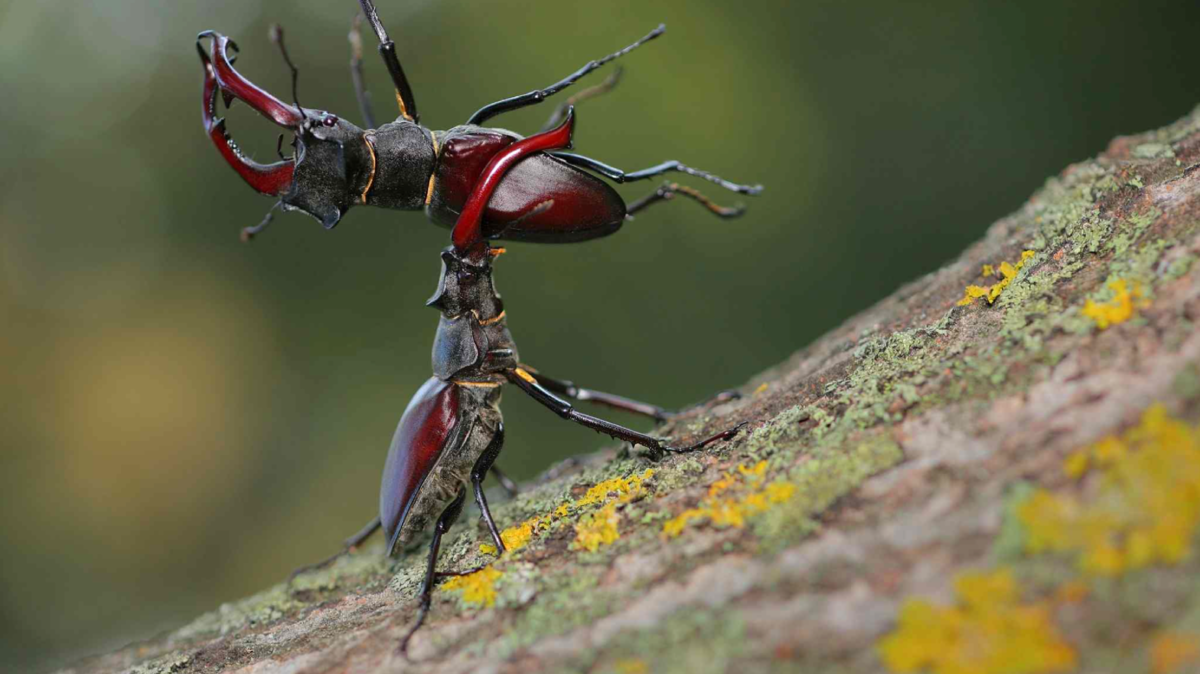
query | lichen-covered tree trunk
(996,469)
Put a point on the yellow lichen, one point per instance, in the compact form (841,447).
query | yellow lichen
(616,490)
(1144,510)
(598,529)
(1007,273)
(755,473)
(625,488)
(724,511)
(1117,310)
(988,631)
(478,589)
(1172,651)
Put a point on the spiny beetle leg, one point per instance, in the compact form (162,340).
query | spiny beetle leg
(668,190)
(506,483)
(527,383)
(618,176)
(348,546)
(538,95)
(478,473)
(445,521)
(569,389)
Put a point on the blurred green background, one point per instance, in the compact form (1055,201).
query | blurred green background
(185,418)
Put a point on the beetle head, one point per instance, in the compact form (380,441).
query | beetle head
(332,163)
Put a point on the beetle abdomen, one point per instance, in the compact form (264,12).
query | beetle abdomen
(541,199)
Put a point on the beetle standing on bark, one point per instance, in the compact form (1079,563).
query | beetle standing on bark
(488,184)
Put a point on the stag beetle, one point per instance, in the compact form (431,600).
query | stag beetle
(486,184)
(404,165)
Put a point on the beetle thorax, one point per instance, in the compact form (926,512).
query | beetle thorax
(466,284)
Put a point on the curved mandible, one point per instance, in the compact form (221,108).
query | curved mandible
(273,179)
(233,84)
(467,231)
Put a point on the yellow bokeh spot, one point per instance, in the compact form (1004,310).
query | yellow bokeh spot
(1144,510)
(1117,310)
(1172,651)
(631,666)
(987,631)
(478,589)
(1075,465)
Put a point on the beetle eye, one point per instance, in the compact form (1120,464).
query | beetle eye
(330,120)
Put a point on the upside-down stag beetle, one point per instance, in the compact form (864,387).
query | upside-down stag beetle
(487,184)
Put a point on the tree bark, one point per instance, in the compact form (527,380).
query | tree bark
(883,466)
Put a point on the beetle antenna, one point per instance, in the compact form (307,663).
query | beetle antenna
(275,33)
(250,232)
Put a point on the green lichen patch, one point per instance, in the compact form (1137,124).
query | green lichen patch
(262,608)
(685,642)
(565,601)
(826,475)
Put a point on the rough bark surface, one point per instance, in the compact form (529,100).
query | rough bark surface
(881,463)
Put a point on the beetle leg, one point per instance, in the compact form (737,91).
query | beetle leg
(527,383)
(538,95)
(387,49)
(569,389)
(604,87)
(348,546)
(479,472)
(505,481)
(356,72)
(445,521)
(618,176)
(668,190)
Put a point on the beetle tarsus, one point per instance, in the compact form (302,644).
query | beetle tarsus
(727,434)
(668,190)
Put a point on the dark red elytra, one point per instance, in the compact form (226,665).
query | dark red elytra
(422,435)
